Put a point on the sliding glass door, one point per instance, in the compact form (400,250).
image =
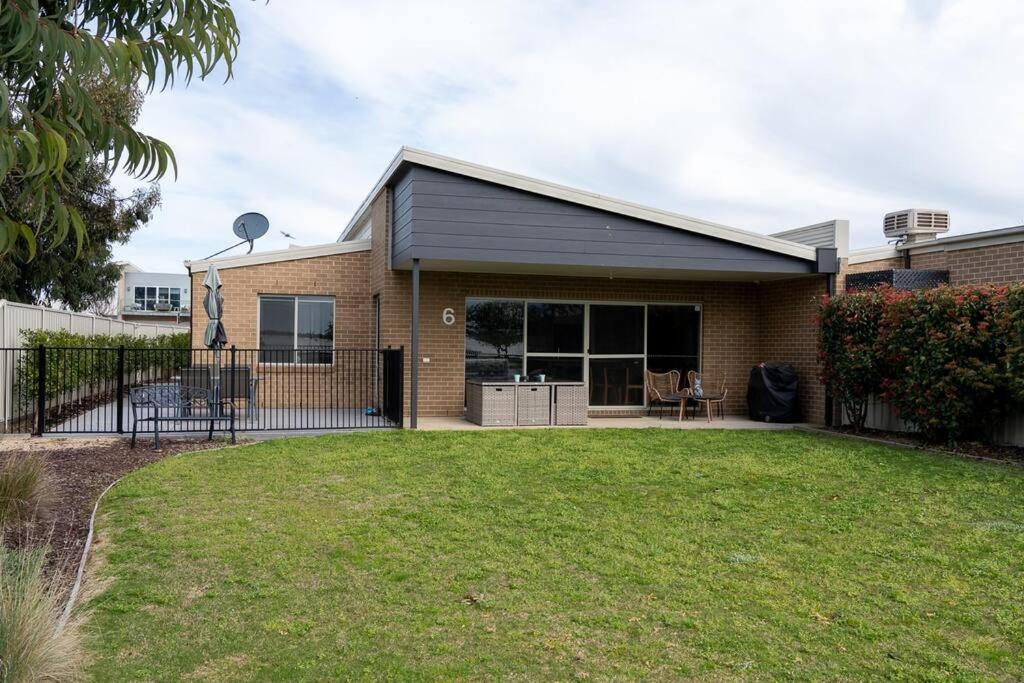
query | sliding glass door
(616,355)
(673,338)
(606,345)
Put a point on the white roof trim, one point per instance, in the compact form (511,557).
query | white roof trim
(591,199)
(987,238)
(874,254)
(292,254)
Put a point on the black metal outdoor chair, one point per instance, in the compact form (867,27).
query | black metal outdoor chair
(177,404)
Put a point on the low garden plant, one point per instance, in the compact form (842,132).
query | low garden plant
(947,359)
(25,490)
(32,648)
(34,643)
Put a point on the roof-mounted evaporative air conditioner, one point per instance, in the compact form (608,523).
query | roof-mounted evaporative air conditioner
(915,225)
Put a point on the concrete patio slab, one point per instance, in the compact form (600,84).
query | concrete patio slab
(728,422)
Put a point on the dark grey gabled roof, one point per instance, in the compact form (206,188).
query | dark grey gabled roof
(407,155)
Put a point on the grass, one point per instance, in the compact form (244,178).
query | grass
(562,554)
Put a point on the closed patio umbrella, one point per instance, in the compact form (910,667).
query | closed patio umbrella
(215,337)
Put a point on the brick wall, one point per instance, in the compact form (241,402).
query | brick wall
(344,276)
(996,264)
(789,333)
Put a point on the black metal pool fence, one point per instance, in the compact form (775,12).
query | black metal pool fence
(71,390)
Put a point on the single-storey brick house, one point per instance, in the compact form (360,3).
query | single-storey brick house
(478,272)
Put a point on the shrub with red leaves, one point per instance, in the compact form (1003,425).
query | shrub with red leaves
(1014,323)
(847,340)
(949,360)
(946,352)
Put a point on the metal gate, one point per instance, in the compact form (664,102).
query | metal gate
(62,390)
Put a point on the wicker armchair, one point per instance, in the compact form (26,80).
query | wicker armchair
(713,392)
(663,389)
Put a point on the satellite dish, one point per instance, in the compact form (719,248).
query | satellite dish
(250,226)
(247,227)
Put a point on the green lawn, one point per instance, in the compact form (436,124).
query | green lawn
(557,554)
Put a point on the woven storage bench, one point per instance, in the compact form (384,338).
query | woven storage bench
(570,404)
(491,406)
(534,405)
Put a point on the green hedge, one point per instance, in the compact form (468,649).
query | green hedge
(77,360)
(949,360)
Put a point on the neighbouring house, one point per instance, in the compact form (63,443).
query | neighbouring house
(152,297)
(478,272)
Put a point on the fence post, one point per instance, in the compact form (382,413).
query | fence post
(120,389)
(232,392)
(41,391)
(401,386)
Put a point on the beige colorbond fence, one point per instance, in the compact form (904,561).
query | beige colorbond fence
(15,317)
(882,416)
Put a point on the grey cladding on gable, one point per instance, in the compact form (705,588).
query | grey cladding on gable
(444,216)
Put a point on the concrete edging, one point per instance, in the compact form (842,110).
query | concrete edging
(80,574)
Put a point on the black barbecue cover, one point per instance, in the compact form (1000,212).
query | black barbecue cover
(772,392)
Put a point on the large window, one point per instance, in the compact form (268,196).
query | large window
(158,298)
(494,339)
(296,329)
(554,341)
(606,345)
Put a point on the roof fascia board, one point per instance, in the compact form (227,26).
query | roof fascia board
(585,198)
(294,254)
(988,238)
(873,254)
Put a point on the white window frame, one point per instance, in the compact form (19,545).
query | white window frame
(585,354)
(295,326)
(159,289)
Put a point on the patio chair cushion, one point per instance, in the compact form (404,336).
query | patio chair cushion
(698,390)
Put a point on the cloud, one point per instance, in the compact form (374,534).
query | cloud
(760,115)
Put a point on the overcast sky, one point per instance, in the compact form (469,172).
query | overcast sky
(760,115)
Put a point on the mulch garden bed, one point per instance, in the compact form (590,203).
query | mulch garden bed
(80,470)
(969,449)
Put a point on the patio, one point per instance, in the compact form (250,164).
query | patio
(667,422)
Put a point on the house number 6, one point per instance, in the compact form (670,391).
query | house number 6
(448,316)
